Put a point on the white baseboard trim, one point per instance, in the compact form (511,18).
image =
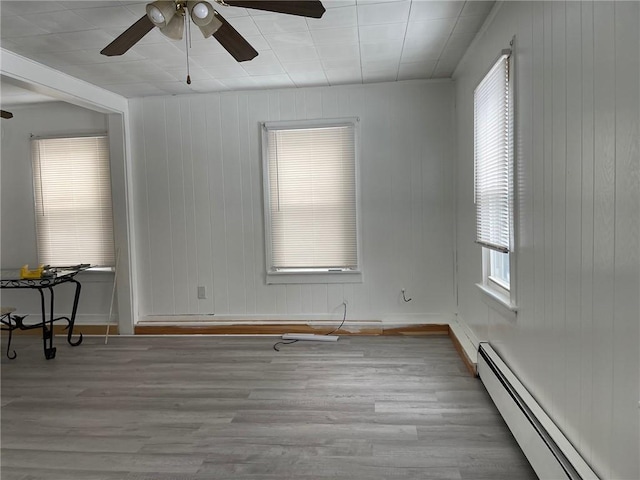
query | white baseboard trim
(310,319)
(417,319)
(467,339)
(348,326)
(548,450)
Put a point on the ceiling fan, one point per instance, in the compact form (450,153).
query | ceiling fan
(170,18)
(5,114)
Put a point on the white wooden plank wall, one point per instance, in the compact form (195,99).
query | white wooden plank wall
(199,204)
(575,339)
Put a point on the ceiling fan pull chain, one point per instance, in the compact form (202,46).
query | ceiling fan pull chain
(187,39)
(187,19)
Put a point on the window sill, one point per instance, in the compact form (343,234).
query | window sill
(498,301)
(275,278)
(100,270)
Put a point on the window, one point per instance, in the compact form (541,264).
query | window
(494,170)
(72,190)
(310,192)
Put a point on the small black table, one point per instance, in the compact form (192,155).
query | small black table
(60,275)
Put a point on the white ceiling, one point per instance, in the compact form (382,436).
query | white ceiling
(13,95)
(356,41)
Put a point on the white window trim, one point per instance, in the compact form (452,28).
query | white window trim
(353,275)
(494,293)
(492,282)
(498,302)
(100,270)
(343,276)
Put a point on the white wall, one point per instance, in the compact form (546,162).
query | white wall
(18,241)
(199,205)
(574,342)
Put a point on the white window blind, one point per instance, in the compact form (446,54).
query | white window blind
(72,189)
(311,201)
(494,158)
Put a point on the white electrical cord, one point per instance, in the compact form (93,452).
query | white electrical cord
(327,337)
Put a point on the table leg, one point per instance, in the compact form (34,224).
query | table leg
(47,332)
(51,351)
(7,320)
(72,320)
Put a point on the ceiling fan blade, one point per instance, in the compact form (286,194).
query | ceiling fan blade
(129,37)
(5,114)
(303,8)
(233,42)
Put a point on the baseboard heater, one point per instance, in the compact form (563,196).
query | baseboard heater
(549,452)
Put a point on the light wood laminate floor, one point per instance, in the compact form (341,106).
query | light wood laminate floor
(216,408)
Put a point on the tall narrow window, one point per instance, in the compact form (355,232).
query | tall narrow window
(494,164)
(72,190)
(310,197)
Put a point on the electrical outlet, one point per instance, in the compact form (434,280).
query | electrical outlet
(202,292)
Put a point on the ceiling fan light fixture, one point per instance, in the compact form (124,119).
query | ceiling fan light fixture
(211,28)
(205,17)
(161,13)
(201,10)
(174,28)
(171,16)
(202,13)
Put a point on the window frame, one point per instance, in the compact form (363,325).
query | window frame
(497,294)
(492,282)
(80,135)
(319,275)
